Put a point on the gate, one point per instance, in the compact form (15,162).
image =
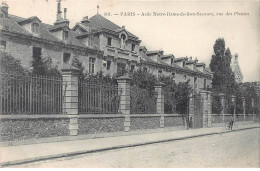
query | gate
(198,115)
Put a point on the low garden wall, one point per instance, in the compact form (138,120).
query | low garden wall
(17,127)
(172,121)
(25,127)
(100,124)
(144,122)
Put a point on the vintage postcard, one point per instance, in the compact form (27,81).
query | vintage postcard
(129,84)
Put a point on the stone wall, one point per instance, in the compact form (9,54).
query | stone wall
(22,129)
(100,125)
(173,121)
(144,123)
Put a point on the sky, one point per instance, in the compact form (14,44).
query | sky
(178,35)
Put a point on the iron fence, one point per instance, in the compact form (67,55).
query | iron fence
(98,98)
(142,101)
(27,94)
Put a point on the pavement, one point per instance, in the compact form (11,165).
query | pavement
(15,155)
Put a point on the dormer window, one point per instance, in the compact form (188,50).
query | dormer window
(205,84)
(65,35)
(133,47)
(109,41)
(160,73)
(35,28)
(173,75)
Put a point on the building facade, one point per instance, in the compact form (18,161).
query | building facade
(101,46)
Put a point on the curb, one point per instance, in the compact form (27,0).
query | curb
(50,157)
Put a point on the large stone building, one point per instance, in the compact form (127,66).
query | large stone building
(101,46)
(236,69)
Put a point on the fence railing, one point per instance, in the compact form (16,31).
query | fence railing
(29,94)
(98,98)
(142,101)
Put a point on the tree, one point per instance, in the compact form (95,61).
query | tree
(176,97)
(78,64)
(143,96)
(223,77)
(143,79)
(43,66)
(10,65)
(250,92)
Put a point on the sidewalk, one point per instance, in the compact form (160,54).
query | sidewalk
(11,155)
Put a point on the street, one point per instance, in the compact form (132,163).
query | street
(233,149)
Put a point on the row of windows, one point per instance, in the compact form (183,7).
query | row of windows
(66,58)
(109,43)
(184,78)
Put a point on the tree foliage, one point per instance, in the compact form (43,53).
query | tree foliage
(44,66)
(224,82)
(176,96)
(223,77)
(11,65)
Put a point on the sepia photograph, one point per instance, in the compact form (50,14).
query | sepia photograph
(129,84)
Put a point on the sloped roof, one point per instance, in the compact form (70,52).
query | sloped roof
(11,24)
(200,64)
(190,62)
(167,56)
(29,19)
(160,62)
(180,59)
(99,22)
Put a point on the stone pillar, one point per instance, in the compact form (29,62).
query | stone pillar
(124,104)
(253,106)
(222,100)
(209,108)
(244,107)
(191,110)
(70,99)
(204,97)
(160,103)
(233,101)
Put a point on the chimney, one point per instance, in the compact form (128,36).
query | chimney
(123,27)
(85,20)
(65,13)
(58,11)
(5,7)
(60,20)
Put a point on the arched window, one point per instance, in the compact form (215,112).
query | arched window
(123,39)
